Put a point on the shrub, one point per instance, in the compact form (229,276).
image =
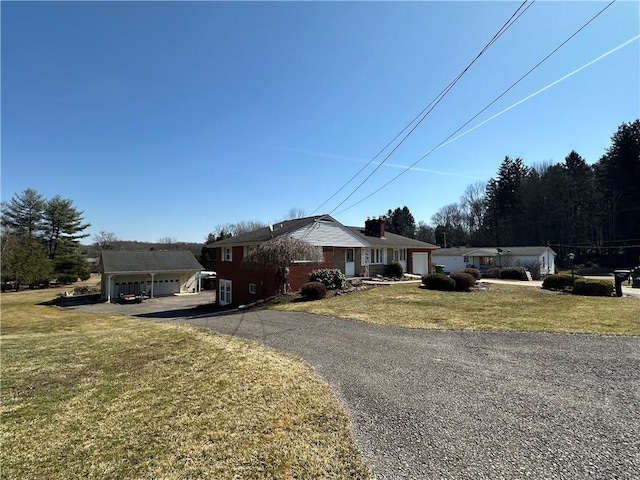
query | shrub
(332,278)
(513,273)
(557,282)
(474,272)
(464,281)
(313,290)
(493,272)
(394,270)
(439,281)
(66,279)
(593,288)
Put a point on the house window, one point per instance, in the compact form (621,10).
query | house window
(306,260)
(252,288)
(465,259)
(378,256)
(225,292)
(226,254)
(399,254)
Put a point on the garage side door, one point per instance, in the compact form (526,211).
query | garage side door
(419,261)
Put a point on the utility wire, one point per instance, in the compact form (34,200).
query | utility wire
(449,140)
(514,17)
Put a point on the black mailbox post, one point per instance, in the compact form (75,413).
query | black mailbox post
(635,277)
(620,276)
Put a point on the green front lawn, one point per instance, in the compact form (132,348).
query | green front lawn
(500,308)
(105,396)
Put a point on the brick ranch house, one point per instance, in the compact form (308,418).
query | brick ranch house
(356,251)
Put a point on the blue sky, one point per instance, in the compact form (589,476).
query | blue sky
(163,119)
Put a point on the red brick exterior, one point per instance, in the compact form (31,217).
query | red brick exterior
(266,279)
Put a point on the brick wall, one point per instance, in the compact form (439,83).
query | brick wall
(265,279)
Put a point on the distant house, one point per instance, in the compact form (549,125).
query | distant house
(483,258)
(356,251)
(152,272)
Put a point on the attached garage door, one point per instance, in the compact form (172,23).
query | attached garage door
(419,261)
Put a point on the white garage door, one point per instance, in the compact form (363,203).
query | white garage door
(419,261)
(166,286)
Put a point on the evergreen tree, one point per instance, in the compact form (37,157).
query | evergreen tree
(22,215)
(63,226)
(504,201)
(618,177)
(46,235)
(24,261)
(401,222)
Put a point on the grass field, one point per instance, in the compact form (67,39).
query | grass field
(105,396)
(500,308)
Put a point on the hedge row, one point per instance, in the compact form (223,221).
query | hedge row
(593,288)
(558,282)
(460,281)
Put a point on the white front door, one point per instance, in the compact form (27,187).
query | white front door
(349,262)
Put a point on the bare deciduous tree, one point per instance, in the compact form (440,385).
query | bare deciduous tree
(294,213)
(106,241)
(281,252)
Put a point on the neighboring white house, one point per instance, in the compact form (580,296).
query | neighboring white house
(150,272)
(483,258)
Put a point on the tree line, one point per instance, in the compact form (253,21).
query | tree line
(593,210)
(40,239)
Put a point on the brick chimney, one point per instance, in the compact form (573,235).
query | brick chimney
(374,227)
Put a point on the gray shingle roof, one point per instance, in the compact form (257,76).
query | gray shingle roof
(148,261)
(281,228)
(391,240)
(263,234)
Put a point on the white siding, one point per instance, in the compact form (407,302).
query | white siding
(325,233)
(451,264)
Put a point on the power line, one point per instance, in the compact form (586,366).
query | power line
(423,114)
(449,139)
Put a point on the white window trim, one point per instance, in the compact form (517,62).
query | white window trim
(252,288)
(378,256)
(399,254)
(225,257)
(319,248)
(228,283)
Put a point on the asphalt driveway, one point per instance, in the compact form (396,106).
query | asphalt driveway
(461,405)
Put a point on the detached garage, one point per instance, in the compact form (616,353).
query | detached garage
(152,273)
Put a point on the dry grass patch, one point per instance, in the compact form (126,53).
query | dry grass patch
(500,308)
(105,396)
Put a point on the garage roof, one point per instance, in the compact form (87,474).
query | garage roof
(148,261)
